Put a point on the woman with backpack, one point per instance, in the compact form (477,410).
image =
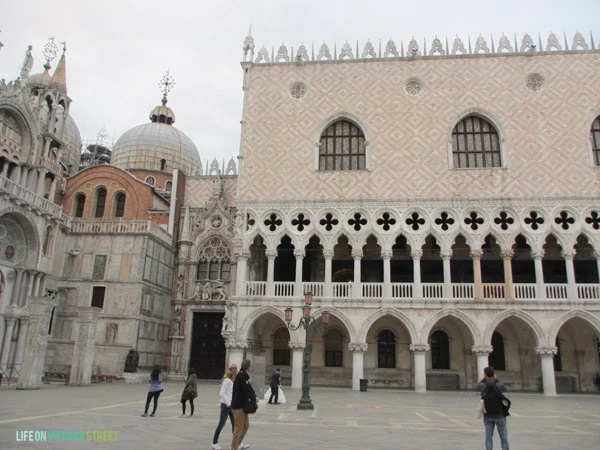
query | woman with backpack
(190,392)
(495,411)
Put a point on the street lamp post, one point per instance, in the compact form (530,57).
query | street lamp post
(308,322)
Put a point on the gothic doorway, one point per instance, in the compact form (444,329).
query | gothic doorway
(208,346)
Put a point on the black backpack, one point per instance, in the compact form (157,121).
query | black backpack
(496,403)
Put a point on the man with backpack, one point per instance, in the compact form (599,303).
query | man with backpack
(496,408)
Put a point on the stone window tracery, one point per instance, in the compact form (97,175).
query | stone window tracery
(273,222)
(595,137)
(534,220)
(445,221)
(301,222)
(329,221)
(342,147)
(298,90)
(593,220)
(565,220)
(10,129)
(214,261)
(504,220)
(415,221)
(475,144)
(386,221)
(534,82)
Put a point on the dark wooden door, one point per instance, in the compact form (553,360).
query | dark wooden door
(208,346)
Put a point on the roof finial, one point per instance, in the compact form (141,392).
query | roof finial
(64,44)
(165,85)
(50,50)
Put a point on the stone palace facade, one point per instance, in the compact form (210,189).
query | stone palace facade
(440,201)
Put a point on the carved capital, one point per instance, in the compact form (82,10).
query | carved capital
(537,254)
(357,253)
(507,254)
(568,254)
(358,346)
(419,348)
(242,254)
(482,350)
(446,254)
(328,253)
(476,254)
(386,254)
(296,346)
(416,254)
(271,254)
(299,253)
(546,351)
(234,343)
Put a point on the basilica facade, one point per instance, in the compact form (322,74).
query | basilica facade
(437,205)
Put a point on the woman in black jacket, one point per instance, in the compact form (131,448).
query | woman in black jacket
(242,392)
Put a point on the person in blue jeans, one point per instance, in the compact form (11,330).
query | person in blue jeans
(156,379)
(225,397)
(492,393)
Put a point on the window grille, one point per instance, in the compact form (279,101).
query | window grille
(595,136)
(475,144)
(342,147)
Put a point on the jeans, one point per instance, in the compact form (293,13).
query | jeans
(152,395)
(225,412)
(489,423)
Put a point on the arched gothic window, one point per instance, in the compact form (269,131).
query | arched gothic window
(11,130)
(595,137)
(496,358)
(120,204)
(100,202)
(79,205)
(475,144)
(214,261)
(342,147)
(168,186)
(386,350)
(440,350)
(281,347)
(333,341)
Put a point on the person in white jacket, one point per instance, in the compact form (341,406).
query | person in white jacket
(225,397)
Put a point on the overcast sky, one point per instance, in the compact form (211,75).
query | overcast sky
(118,50)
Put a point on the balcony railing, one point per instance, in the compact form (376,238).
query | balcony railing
(120,227)
(460,291)
(27,198)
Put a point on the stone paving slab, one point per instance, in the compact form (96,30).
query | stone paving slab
(342,419)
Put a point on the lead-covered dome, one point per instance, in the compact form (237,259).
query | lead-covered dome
(157,146)
(72,140)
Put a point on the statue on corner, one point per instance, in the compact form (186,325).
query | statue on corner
(132,361)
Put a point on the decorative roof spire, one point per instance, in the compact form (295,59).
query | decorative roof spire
(50,50)
(166,84)
(60,73)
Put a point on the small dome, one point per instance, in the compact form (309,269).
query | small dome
(72,140)
(39,80)
(156,146)
(162,114)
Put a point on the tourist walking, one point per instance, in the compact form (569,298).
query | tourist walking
(275,383)
(225,396)
(190,392)
(156,378)
(493,415)
(243,392)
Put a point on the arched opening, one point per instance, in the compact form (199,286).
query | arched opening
(333,341)
(386,350)
(281,347)
(440,350)
(496,357)
(100,202)
(79,205)
(120,204)
(285,262)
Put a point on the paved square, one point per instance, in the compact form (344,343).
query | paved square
(342,419)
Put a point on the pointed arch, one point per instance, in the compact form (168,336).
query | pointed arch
(447,312)
(246,325)
(564,318)
(382,312)
(493,324)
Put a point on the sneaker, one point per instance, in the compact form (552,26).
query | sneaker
(183,415)
(243,446)
(152,415)
(144,415)
(216,447)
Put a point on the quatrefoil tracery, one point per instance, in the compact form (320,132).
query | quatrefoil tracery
(564,220)
(504,220)
(357,221)
(534,220)
(415,221)
(474,220)
(328,222)
(301,222)
(273,222)
(593,220)
(386,221)
(445,221)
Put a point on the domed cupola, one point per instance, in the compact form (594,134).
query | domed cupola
(157,145)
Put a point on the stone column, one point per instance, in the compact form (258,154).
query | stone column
(8,332)
(446,257)
(597,256)
(23,325)
(509,287)
(357,350)
(482,352)
(36,285)
(271,255)
(39,190)
(547,355)
(52,190)
(419,352)
(36,342)
(299,255)
(16,287)
(297,354)
(236,351)
(477,283)
(387,273)
(31,276)
(571,286)
(83,353)
(242,269)
(357,286)
(328,255)
(417,287)
(539,273)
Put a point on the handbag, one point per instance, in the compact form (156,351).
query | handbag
(505,405)
(250,406)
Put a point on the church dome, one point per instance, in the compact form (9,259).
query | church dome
(72,140)
(157,146)
(39,80)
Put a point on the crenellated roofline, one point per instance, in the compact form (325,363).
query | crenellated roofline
(413,49)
